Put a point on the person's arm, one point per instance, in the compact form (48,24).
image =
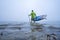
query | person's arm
(29,15)
(35,14)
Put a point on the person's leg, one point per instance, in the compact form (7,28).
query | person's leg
(34,21)
(31,20)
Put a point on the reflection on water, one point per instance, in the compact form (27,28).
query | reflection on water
(28,31)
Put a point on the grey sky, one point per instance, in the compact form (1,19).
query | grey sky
(18,10)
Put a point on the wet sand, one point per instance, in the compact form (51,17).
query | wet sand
(29,31)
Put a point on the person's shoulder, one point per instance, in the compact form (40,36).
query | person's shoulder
(33,12)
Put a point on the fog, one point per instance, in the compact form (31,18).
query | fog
(18,10)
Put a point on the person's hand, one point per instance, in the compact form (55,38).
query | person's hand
(28,15)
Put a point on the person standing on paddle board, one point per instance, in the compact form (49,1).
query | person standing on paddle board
(33,15)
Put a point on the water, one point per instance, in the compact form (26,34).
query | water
(28,31)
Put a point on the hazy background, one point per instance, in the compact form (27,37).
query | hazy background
(18,10)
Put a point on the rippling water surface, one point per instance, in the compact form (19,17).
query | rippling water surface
(28,31)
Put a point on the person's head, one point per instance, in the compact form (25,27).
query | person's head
(32,10)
